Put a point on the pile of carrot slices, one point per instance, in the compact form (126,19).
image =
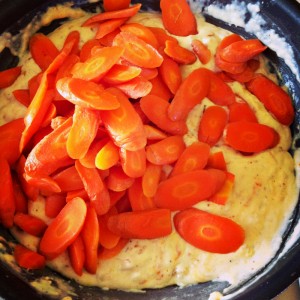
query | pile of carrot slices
(105,118)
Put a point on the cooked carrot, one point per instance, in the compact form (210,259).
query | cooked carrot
(77,193)
(149,73)
(166,151)
(30,224)
(117,180)
(244,76)
(108,39)
(66,68)
(146,224)
(202,51)
(160,89)
(121,73)
(216,160)
(54,204)
(9,76)
(76,253)
(178,18)
(179,54)
(212,124)
(136,51)
(110,253)
(107,156)
(44,183)
(230,67)
(109,26)
(85,52)
(22,95)
(111,5)
(154,133)
(150,179)
(191,92)
(21,201)
(241,111)
(28,259)
(250,137)
(194,157)
(123,205)
(274,98)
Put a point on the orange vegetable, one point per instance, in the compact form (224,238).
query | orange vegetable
(110,253)
(121,73)
(179,54)
(202,51)
(66,68)
(28,259)
(150,179)
(54,204)
(107,156)
(154,133)
(111,5)
(64,229)
(9,76)
(22,95)
(178,18)
(109,26)
(160,89)
(241,111)
(117,180)
(146,224)
(217,161)
(77,255)
(86,49)
(19,195)
(30,224)
(209,232)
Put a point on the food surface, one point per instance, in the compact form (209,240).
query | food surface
(198,114)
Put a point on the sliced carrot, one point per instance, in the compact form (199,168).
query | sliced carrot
(228,40)
(250,137)
(185,190)
(194,157)
(217,161)
(133,162)
(202,51)
(30,224)
(51,113)
(141,32)
(117,180)
(124,124)
(112,5)
(85,52)
(7,201)
(66,68)
(166,151)
(9,76)
(86,94)
(108,39)
(90,238)
(110,253)
(83,131)
(20,198)
(138,109)
(149,73)
(178,17)
(156,109)
(150,179)
(212,124)
(77,193)
(123,205)
(154,133)
(244,76)
(64,229)
(122,13)
(115,197)
(146,224)
(138,52)
(171,74)
(274,98)
(241,111)
(107,156)
(160,89)
(179,54)
(209,232)
(121,73)
(28,259)
(22,95)
(54,204)
(109,26)
(191,92)
(76,253)
(230,67)
(95,188)
(44,183)
(43,50)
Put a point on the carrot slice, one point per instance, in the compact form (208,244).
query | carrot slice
(54,204)
(156,109)
(244,76)
(274,98)
(185,190)
(109,26)
(77,193)
(160,89)
(110,253)
(138,52)
(124,124)
(150,179)
(9,76)
(230,67)
(77,255)
(66,69)
(194,157)
(21,201)
(166,151)
(209,232)
(28,259)
(146,224)
(121,73)
(202,51)
(30,224)
(154,133)
(108,39)
(250,137)
(64,229)
(241,111)
(22,95)
(122,13)
(86,49)
(217,161)
(107,156)
(191,92)
(178,18)
(212,124)
(90,238)
(112,5)
(117,180)
(179,54)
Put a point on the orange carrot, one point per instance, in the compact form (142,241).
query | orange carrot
(241,111)
(117,180)
(109,26)
(111,5)
(22,95)
(160,89)
(202,51)
(28,259)
(54,204)
(30,224)
(110,253)
(107,156)
(150,179)
(76,253)
(121,73)
(179,54)
(154,133)
(9,76)
(217,161)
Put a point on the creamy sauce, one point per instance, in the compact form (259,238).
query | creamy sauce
(262,200)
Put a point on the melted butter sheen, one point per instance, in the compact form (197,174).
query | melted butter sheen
(262,200)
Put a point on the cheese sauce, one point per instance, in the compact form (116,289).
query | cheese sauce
(262,200)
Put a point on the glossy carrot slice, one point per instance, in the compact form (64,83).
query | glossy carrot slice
(241,111)
(122,13)
(28,259)
(54,204)
(178,18)
(112,5)
(77,193)
(216,160)
(9,76)
(110,253)
(156,109)
(95,188)
(185,190)
(30,224)
(22,95)
(86,49)
(160,89)
(230,67)
(138,52)
(117,180)
(90,238)
(146,224)
(209,232)
(212,124)
(7,201)
(166,151)
(244,76)
(66,69)
(108,39)
(44,183)
(154,133)
(121,73)
(76,253)
(109,26)
(64,229)
(150,179)
(179,54)
(191,92)
(202,51)
(124,124)
(133,162)
(194,157)
(250,137)
(107,156)
(274,98)
(21,201)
